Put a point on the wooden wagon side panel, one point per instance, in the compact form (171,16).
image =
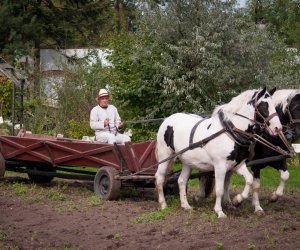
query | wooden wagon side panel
(84,154)
(141,156)
(59,152)
(71,152)
(15,148)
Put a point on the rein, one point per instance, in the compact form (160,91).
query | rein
(263,124)
(192,145)
(256,137)
(242,138)
(268,144)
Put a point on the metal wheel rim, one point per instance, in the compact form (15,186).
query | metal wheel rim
(104,185)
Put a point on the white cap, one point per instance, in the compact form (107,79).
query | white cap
(103,92)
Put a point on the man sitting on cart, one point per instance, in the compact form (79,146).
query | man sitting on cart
(106,122)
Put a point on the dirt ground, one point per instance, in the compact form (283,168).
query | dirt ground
(28,220)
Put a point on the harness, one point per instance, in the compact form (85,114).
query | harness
(202,143)
(288,111)
(242,138)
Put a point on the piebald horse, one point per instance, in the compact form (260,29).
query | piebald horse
(287,104)
(220,143)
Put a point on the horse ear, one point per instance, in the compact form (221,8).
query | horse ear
(272,91)
(261,93)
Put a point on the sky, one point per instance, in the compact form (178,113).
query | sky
(242,3)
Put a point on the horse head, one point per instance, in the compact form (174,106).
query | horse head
(265,114)
(294,113)
(287,103)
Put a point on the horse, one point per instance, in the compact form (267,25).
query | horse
(287,104)
(220,143)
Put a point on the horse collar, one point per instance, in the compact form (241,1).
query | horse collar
(241,139)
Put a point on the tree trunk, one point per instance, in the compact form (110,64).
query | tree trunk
(121,16)
(36,72)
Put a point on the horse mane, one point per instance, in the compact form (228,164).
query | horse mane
(281,97)
(236,103)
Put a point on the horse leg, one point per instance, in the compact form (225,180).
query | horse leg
(182,183)
(255,198)
(201,189)
(256,186)
(243,171)
(226,197)
(219,180)
(160,180)
(284,176)
(206,187)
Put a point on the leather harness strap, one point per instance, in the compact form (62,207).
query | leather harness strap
(194,129)
(242,139)
(287,110)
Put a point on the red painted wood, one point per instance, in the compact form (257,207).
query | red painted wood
(68,152)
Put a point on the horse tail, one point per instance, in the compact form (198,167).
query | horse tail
(209,184)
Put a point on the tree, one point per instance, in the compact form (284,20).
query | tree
(76,95)
(28,26)
(190,55)
(6,87)
(132,80)
(282,16)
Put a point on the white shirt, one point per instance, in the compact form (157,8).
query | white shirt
(98,116)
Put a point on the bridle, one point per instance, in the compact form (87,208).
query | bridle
(288,111)
(265,120)
(264,125)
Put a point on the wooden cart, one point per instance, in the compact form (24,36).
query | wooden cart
(110,166)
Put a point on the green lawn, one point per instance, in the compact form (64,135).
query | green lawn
(270,177)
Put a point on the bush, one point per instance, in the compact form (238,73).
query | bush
(78,130)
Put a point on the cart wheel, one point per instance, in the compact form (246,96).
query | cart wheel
(105,184)
(2,165)
(40,179)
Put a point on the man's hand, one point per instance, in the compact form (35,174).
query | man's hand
(120,125)
(106,122)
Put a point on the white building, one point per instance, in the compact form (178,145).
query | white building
(53,62)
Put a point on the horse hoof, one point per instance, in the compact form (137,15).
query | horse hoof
(273,197)
(229,205)
(221,215)
(236,202)
(187,208)
(163,206)
(260,213)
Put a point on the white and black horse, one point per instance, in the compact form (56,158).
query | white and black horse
(287,104)
(220,143)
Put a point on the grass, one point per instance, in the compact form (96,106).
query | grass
(94,201)
(219,245)
(252,246)
(56,195)
(297,214)
(19,188)
(270,179)
(62,196)
(173,204)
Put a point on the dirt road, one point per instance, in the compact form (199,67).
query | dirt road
(66,215)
